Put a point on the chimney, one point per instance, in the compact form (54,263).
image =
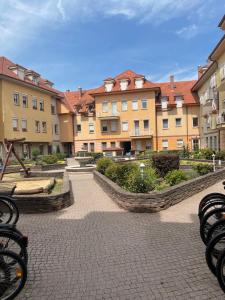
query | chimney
(200,71)
(172,82)
(68,90)
(80,91)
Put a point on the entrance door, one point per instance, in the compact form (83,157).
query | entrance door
(126,147)
(136,128)
(138,145)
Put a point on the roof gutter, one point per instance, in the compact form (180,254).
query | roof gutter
(126,91)
(205,76)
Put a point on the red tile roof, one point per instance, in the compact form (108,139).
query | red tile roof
(130,75)
(181,88)
(6,64)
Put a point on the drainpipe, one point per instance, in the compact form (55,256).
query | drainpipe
(187,124)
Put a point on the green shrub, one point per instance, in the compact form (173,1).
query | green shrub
(60,155)
(35,153)
(123,172)
(185,153)
(206,153)
(163,163)
(103,163)
(203,169)
(111,172)
(49,159)
(175,177)
(220,155)
(136,184)
(191,174)
(151,177)
(161,186)
(95,156)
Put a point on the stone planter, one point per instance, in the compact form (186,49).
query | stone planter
(156,201)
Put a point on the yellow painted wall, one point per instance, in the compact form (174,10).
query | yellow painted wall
(11,111)
(66,128)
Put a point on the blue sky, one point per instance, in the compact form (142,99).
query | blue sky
(80,42)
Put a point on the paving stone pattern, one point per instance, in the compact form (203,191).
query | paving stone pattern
(95,250)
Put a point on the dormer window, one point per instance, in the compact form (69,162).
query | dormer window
(139,83)
(33,76)
(164,102)
(179,101)
(123,84)
(19,71)
(48,83)
(109,85)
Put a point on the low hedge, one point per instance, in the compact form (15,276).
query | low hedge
(164,163)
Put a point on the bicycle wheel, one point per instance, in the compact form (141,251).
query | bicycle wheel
(217,228)
(6,212)
(213,250)
(205,200)
(12,277)
(208,220)
(13,242)
(13,207)
(213,204)
(220,270)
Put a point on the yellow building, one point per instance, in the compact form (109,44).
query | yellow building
(28,109)
(128,114)
(210,88)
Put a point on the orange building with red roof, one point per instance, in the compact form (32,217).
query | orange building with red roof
(129,113)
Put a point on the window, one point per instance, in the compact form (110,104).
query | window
(195,121)
(125,125)
(92,147)
(41,105)
(207,142)
(113,125)
(15,124)
(56,129)
(78,127)
(37,126)
(148,145)
(104,126)
(165,124)
(114,108)
(164,102)
(24,125)
(53,109)
(180,143)
(85,146)
(178,122)
(16,99)
(179,101)
(44,127)
(124,105)
(215,142)
(165,144)
(91,128)
(104,145)
(34,101)
(135,105)
(41,148)
(105,107)
(25,101)
(144,104)
(195,144)
(113,144)
(146,124)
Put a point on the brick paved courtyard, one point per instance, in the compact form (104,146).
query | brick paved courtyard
(95,250)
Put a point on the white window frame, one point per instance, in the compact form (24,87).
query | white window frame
(125,126)
(41,103)
(91,127)
(179,101)
(113,127)
(105,145)
(37,126)
(144,124)
(15,124)
(164,102)
(180,143)
(105,106)
(23,98)
(124,105)
(135,105)
(144,101)
(44,126)
(104,124)
(180,122)
(163,123)
(24,122)
(193,122)
(165,144)
(16,98)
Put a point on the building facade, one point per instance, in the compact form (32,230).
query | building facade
(210,89)
(28,109)
(129,114)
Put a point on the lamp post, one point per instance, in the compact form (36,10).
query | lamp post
(214,163)
(142,166)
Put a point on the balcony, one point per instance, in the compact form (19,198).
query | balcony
(141,133)
(220,121)
(108,115)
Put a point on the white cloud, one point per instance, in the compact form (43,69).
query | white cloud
(180,73)
(23,20)
(188,32)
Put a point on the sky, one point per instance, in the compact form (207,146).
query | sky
(81,42)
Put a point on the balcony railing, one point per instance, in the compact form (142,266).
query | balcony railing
(107,115)
(140,132)
(221,119)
